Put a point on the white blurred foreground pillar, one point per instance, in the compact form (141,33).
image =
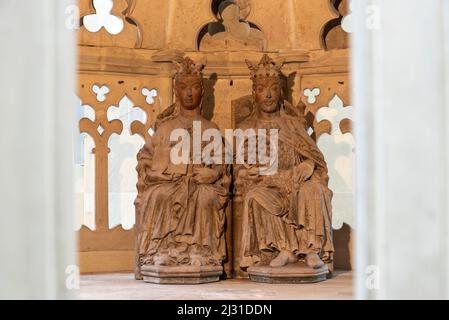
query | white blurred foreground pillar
(37,67)
(401,95)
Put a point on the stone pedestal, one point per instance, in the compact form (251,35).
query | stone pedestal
(181,274)
(291,273)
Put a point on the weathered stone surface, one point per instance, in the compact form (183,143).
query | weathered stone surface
(287,211)
(143,55)
(231,33)
(291,273)
(181,207)
(181,274)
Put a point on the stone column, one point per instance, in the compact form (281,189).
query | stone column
(37,63)
(401,98)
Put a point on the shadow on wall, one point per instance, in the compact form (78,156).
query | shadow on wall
(343,245)
(333,36)
(209,97)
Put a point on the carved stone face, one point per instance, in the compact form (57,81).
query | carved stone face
(189,91)
(267,93)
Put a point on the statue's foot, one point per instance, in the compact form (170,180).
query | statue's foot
(292,258)
(246,262)
(314,261)
(283,258)
(195,261)
(161,260)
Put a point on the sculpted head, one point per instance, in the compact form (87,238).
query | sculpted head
(267,84)
(189,87)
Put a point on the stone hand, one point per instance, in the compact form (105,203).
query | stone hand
(157,176)
(145,163)
(204,175)
(302,172)
(250,173)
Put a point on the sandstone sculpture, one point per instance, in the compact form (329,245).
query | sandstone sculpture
(287,230)
(180,208)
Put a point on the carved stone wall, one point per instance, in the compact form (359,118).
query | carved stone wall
(131,54)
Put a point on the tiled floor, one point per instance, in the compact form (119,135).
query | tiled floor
(123,286)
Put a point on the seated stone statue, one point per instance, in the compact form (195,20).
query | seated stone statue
(180,208)
(286,215)
(232,33)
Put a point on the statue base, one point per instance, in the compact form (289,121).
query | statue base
(291,273)
(181,274)
(330,267)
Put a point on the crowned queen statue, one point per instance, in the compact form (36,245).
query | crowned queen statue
(287,229)
(180,207)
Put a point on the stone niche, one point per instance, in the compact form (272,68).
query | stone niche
(305,34)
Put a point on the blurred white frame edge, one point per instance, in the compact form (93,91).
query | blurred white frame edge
(402,159)
(37,239)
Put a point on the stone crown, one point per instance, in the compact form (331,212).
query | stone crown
(187,67)
(267,67)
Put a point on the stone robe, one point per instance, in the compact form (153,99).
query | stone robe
(179,218)
(279,214)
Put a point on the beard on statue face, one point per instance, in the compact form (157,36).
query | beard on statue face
(189,91)
(267,94)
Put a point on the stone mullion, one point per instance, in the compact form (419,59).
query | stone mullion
(101,149)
